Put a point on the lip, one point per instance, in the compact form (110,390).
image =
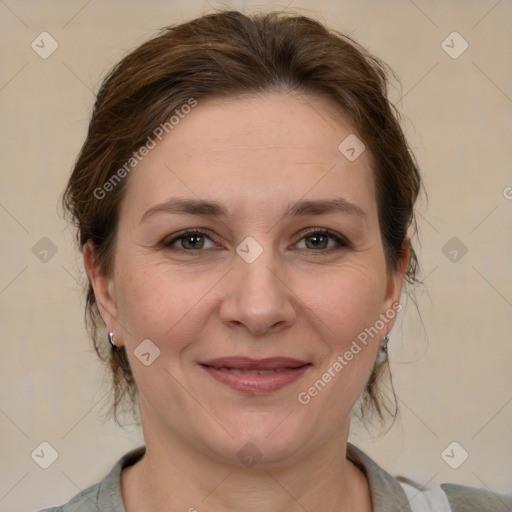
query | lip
(231,372)
(247,363)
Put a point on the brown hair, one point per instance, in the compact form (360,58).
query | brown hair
(228,53)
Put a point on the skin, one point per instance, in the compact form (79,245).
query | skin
(255,155)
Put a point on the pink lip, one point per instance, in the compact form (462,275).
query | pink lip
(247,363)
(226,370)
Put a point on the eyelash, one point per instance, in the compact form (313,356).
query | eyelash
(342,242)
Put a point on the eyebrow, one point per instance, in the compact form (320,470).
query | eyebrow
(205,208)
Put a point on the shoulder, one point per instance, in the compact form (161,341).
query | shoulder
(468,499)
(85,501)
(104,496)
(452,497)
(399,493)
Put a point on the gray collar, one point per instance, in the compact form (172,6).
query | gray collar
(387,493)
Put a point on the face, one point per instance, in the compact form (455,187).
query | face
(247,234)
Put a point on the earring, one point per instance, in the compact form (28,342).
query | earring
(385,342)
(382,353)
(110,337)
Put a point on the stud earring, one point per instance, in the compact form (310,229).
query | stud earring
(110,337)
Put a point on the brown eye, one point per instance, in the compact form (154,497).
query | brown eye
(188,241)
(323,240)
(317,241)
(192,241)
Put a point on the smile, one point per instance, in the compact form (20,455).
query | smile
(254,372)
(256,381)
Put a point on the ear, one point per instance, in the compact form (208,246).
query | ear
(394,286)
(104,288)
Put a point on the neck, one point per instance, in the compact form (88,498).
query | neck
(173,476)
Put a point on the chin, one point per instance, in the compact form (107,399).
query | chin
(265,441)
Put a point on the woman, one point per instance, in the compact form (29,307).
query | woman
(243,201)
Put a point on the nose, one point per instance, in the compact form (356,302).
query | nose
(258,296)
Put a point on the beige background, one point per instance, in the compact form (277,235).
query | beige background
(452,375)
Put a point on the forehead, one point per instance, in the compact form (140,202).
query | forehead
(260,147)
(277,121)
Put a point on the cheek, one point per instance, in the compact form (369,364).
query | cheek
(157,303)
(346,303)
(347,309)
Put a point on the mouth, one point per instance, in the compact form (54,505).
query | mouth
(256,376)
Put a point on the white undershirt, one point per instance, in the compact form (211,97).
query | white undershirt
(431,499)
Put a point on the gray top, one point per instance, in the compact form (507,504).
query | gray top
(387,492)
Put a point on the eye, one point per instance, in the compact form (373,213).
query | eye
(190,240)
(318,240)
